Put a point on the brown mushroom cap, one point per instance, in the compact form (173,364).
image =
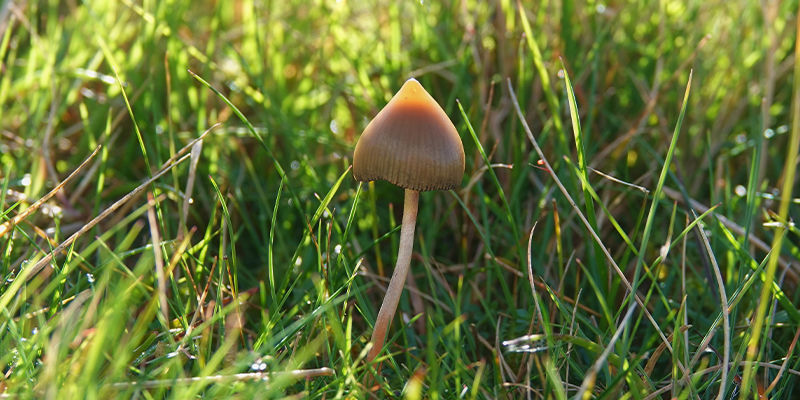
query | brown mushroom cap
(411,143)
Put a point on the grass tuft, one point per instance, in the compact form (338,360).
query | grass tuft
(178,217)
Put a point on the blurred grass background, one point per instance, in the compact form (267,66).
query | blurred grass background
(280,262)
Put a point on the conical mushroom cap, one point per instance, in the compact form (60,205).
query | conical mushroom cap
(411,143)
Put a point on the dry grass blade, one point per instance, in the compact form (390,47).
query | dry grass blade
(620,181)
(245,376)
(103,215)
(530,267)
(656,355)
(178,158)
(715,368)
(734,227)
(197,148)
(785,361)
(588,226)
(155,236)
(9,225)
(726,324)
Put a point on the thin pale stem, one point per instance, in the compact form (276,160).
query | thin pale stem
(395,289)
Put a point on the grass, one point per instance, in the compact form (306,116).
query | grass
(623,229)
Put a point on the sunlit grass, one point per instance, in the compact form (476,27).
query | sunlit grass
(275,259)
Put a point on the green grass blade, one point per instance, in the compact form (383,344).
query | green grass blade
(549,93)
(648,227)
(509,215)
(790,168)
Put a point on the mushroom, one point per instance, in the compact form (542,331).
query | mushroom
(412,144)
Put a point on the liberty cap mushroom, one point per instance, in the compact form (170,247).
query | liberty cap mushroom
(414,145)
(411,143)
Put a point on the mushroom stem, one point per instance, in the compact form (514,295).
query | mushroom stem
(395,289)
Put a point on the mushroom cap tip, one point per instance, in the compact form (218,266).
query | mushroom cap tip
(411,143)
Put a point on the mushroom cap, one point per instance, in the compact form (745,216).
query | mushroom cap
(411,143)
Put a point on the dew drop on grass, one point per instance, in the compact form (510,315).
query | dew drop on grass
(740,190)
(295,164)
(741,138)
(337,249)
(768,133)
(782,129)
(561,73)
(90,278)
(601,8)
(334,127)
(52,211)
(258,366)
(775,193)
